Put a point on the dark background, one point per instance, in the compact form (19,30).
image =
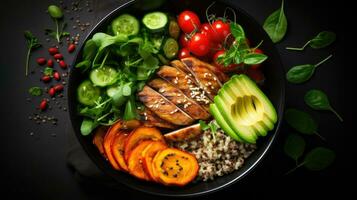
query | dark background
(35,166)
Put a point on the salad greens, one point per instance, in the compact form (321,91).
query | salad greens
(321,40)
(276,24)
(57,15)
(118,64)
(32,44)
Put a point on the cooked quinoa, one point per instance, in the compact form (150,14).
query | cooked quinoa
(217,155)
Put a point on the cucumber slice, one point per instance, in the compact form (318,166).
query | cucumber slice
(155,21)
(170,48)
(125,24)
(103,76)
(87,93)
(113,90)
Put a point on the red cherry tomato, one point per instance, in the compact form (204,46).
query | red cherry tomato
(199,44)
(183,41)
(188,21)
(184,53)
(229,68)
(222,30)
(258,51)
(207,29)
(256,74)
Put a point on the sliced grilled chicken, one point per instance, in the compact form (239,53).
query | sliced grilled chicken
(183,134)
(177,97)
(186,84)
(150,119)
(164,108)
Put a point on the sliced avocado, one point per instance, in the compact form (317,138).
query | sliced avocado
(222,123)
(244,108)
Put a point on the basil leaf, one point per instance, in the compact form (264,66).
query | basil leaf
(294,146)
(237,31)
(323,39)
(301,121)
(319,159)
(318,100)
(88,126)
(300,73)
(276,24)
(254,58)
(48,71)
(35,91)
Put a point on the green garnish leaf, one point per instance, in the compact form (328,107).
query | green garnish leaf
(204,126)
(35,91)
(32,44)
(254,58)
(48,71)
(319,159)
(87,126)
(321,40)
(237,30)
(276,24)
(294,146)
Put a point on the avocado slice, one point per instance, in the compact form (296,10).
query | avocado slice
(241,108)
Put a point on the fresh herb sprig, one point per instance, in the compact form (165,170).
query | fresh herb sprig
(35,91)
(57,16)
(212,126)
(32,44)
(321,40)
(276,24)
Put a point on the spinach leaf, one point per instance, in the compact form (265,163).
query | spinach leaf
(294,146)
(318,100)
(88,126)
(35,91)
(89,50)
(302,73)
(276,24)
(319,158)
(254,58)
(32,44)
(321,40)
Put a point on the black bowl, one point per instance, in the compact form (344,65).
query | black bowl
(274,88)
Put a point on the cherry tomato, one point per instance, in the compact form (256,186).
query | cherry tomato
(207,29)
(258,51)
(188,21)
(229,68)
(222,30)
(199,44)
(255,74)
(184,53)
(183,41)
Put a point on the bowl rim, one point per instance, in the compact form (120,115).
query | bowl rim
(280,111)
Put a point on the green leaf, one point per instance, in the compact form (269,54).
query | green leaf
(318,100)
(323,39)
(276,24)
(28,35)
(301,121)
(294,146)
(89,50)
(130,109)
(35,91)
(88,126)
(254,58)
(300,73)
(84,65)
(237,30)
(204,126)
(55,12)
(48,71)
(319,159)
(127,89)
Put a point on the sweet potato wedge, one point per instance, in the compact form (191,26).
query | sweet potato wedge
(98,138)
(138,135)
(148,155)
(135,165)
(118,149)
(185,133)
(175,167)
(108,139)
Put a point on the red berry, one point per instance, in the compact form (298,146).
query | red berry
(56,76)
(43,104)
(52,91)
(50,63)
(53,50)
(41,61)
(58,87)
(46,78)
(58,56)
(71,48)
(63,64)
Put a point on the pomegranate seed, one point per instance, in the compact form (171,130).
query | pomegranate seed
(50,63)
(63,64)
(58,56)
(43,104)
(52,91)
(41,61)
(53,50)
(56,76)
(46,78)
(58,87)
(71,48)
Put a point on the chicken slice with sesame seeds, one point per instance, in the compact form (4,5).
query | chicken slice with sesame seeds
(150,119)
(177,97)
(163,108)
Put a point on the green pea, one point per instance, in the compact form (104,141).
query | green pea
(55,11)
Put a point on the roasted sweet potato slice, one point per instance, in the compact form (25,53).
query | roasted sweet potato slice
(135,165)
(138,135)
(175,167)
(98,138)
(118,149)
(185,133)
(108,139)
(147,156)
